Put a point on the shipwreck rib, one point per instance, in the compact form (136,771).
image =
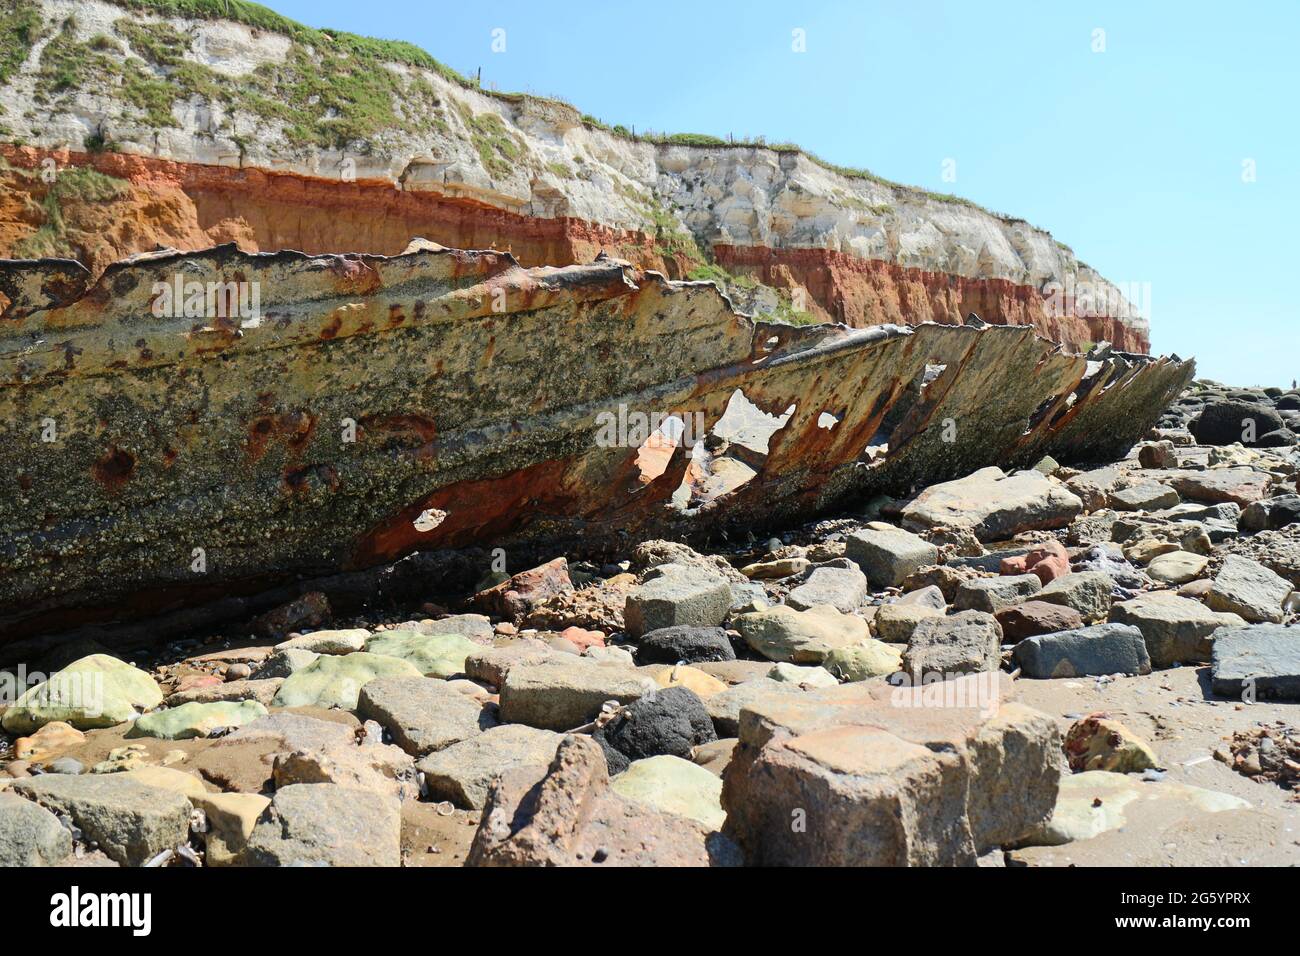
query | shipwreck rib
(445,398)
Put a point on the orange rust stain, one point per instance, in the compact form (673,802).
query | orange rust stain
(295,429)
(476,511)
(113,468)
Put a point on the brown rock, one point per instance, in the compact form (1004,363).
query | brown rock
(516,598)
(309,611)
(1036,617)
(569,816)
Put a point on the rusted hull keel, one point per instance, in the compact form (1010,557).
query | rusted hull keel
(443,398)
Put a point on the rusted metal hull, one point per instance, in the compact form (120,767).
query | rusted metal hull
(478,390)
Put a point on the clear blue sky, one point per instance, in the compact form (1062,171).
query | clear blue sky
(1132,156)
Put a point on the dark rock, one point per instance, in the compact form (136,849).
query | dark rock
(1097,650)
(1262,660)
(668,645)
(1229,421)
(671,721)
(1269,514)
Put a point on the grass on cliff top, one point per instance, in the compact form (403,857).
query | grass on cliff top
(20,27)
(363,51)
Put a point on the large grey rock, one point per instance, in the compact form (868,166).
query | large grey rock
(887,554)
(564,694)
(840,585)
(993,594)
(1263,659)
(669,645)
(1101,649)
(1088,592)
(324,824)
(1177,630)
(1214,485)
(1247,588)
(874,781)
(1146,496)
(965,643)
(422,714)
(131,822)
(993,505)
(674,594)
(30,835)
(464,773)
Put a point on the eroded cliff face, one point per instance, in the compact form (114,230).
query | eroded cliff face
(206,131)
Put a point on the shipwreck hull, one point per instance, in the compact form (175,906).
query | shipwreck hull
(445,399)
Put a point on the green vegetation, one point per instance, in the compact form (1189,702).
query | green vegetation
(78,183)
(560,169)
(787,313)
(334,88)
(712,272)
(496,146)
(20,27)
(670,241)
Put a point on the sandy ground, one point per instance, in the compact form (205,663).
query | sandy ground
(1175,713)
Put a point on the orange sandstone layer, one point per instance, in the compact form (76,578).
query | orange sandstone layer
(191,206)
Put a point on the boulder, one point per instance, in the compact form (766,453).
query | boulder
(1088,592)
(1094,487)
(965,643)
(373,767)
(668,645)
(1213,485)
(1036,617)
(323,824)
(1261,661)
(671,721)
(1085,651)
(281,664)
(196,720)
(677,595)
(337,681)
(1047,562)
(676,786)
(800,637)
(724,709)
(894,623)
(463,773)
(993,594)
(328,642)
(993,505)
(1144,496)
(95,691)
(422,714)
(563,694)
(517,597)
(1269,514)
(683,675)
(569,815)
(857,776)
(231,818)
(262,690)
(1099,742)
(1177,567)
(1248,589)
(863,661)
(433,655)
(1157,455)
(1229,422)
(887,554)
(805,677)
(131,822)
(32,836)
(841,585)
(1177,630)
